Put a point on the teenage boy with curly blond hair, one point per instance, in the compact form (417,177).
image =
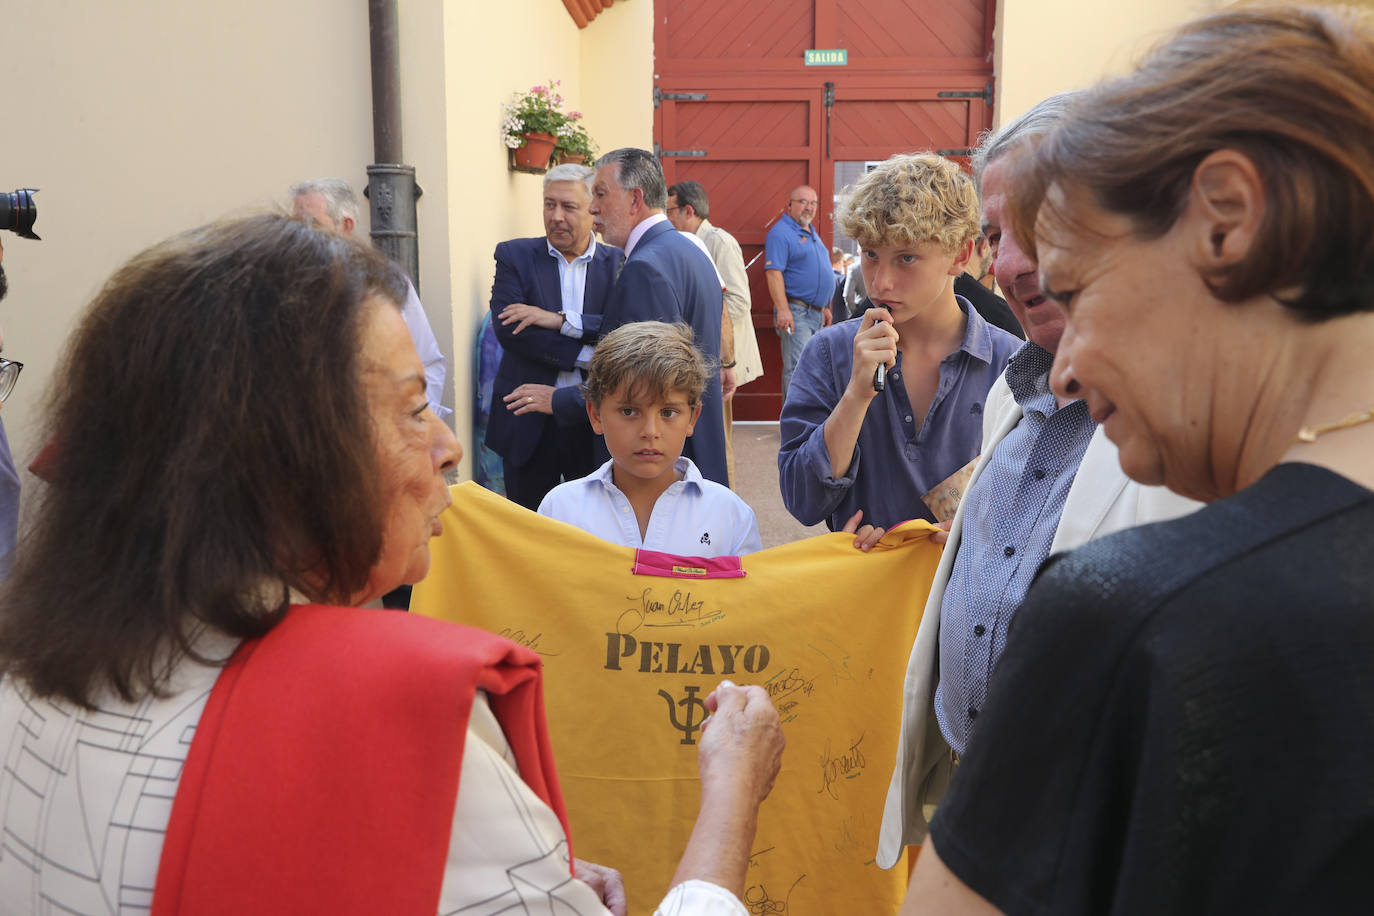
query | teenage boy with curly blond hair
(852,454)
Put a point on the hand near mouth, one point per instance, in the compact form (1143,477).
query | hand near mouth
(875,344)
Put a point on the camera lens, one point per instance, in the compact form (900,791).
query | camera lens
(18,210)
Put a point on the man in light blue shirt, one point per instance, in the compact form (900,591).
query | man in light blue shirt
(800,281)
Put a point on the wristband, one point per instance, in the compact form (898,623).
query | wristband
(729,365)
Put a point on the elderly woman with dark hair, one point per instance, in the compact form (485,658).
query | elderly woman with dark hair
(1183,720)
(195,716)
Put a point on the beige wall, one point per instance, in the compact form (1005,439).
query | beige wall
(1041,47)
(495,49)
(140,119)
(606,72)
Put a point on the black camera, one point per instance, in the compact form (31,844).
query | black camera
(18,210)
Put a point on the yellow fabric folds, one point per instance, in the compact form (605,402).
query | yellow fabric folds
(630,658)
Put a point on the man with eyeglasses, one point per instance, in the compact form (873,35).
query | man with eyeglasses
(800,282)
(689,210)
(9,476)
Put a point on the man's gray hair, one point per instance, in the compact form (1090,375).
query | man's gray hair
(571,171)
(339,199)
(1042,118)
(638,168)
(691,193)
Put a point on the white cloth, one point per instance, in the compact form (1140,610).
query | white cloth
(436,367)
(1102,500)
(694,517)
(86,795)
(729,260)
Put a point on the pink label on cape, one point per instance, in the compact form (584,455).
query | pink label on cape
(653,563)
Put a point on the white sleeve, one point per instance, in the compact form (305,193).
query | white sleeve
(748,540)
(436,367)
(700,898)
(572,325)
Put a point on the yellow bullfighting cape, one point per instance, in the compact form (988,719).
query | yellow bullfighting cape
(632,644)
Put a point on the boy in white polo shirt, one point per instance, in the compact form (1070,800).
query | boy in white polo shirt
(644,388)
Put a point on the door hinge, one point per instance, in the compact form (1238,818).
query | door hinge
(660,95)
(966,151)
(829,101)
(662,153)
(985,94)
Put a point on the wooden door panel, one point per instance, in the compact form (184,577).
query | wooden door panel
(873,128)
(771,123)
(715,29)
(911,28)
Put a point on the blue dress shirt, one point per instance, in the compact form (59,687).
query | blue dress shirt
(894,463)
(1010,516)
(802,258)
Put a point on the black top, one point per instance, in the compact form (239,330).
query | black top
(991,306)
(1183,721)
(838,311)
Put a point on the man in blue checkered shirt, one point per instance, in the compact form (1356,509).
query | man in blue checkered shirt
(1047,480)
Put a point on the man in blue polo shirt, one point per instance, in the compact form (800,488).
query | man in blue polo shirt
(800,282)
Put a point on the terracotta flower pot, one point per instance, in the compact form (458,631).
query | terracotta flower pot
(536,151)
(573,158)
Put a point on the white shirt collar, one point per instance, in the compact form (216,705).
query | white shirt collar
(684,466)
(637,232)
(584,256)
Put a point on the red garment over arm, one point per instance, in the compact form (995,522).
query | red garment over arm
(323,773)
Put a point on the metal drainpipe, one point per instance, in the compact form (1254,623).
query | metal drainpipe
(391,187)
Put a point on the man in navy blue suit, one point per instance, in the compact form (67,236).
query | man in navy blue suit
(547,305)
(666,277)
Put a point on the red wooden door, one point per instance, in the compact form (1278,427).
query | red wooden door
(737,110)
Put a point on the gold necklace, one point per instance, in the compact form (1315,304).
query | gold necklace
(1310,434)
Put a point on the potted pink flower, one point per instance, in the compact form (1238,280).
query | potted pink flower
(531,124)
(574,143)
